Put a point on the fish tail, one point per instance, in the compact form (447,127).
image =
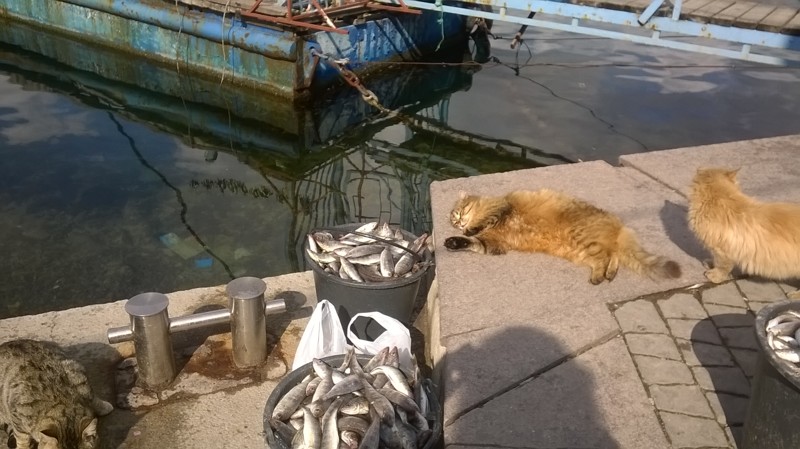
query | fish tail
(633,256)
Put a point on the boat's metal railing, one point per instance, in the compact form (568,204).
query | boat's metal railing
(650,22)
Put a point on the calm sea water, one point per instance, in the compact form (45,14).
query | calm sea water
(146,179)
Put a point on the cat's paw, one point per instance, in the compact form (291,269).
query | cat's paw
(716,275)
(469,232)
(457,243)
(708,264)
(794,295)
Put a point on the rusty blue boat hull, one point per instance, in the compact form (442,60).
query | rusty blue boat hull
(207,114)
(246,53)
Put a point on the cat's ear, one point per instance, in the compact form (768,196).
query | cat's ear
(46,435)
(731,174)
(101,407)
(89,428)
(462,194)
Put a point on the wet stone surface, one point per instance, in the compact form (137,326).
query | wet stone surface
(203,370)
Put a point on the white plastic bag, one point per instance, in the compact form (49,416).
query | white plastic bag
(322,337)
(395,334)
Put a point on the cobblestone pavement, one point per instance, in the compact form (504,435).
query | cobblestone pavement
(696,352)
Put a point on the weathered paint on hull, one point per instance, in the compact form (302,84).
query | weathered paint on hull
(215,114)
(251,55)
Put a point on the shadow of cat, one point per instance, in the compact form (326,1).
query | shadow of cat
(675,219)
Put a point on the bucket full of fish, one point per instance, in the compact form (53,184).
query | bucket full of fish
(773,415)
(369,267)
(362,401)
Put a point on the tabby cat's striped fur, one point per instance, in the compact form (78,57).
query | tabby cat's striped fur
(45,397)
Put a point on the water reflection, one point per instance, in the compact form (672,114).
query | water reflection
(122,176)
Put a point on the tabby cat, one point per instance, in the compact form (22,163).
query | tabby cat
(761,238)
(553,223)
(45,397)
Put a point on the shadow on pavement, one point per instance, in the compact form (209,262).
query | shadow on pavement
(729,366)
(499,395)
(674,217)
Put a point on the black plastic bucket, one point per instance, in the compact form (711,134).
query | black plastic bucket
(394,298)
(773,415)
(296,376)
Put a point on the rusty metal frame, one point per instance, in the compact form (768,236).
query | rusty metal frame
(311,19)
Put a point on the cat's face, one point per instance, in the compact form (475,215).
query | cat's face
(462,211)
(82,435)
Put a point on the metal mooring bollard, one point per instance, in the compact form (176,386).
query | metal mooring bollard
(248,321)
(150,329)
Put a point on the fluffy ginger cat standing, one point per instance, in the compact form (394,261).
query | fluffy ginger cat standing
(553,223)
(761,238)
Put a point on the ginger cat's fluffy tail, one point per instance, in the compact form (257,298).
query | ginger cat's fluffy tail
(633,256)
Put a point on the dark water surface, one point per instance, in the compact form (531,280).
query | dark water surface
(147,179)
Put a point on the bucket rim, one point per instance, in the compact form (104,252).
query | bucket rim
(787,369)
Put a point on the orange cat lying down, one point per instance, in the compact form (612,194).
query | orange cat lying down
(553,223)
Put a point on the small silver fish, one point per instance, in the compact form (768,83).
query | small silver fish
(384,231)
(330,431)
(290,401)
(321,258)
(312,429)
(350,439)
(349,384)
(379,403)
(350,270)
(363,250)
(792,355)
(372,437)
(355,406)
(396,377)
(404,264)
(353,424)
(387,263)
(283,430)
(312,244)
(376,360)
(365,260)
(786,328)
(403,401)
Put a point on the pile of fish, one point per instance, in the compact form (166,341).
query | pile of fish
(371,253)
(374,406)
(783,336)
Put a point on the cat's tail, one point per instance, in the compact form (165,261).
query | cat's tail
(633,256)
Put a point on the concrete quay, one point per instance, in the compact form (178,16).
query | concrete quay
(526,353)
(531,355)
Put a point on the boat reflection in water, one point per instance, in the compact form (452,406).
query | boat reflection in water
(330,161)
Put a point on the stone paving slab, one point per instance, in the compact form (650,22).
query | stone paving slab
(766,165)
(576,404)
(473,371)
